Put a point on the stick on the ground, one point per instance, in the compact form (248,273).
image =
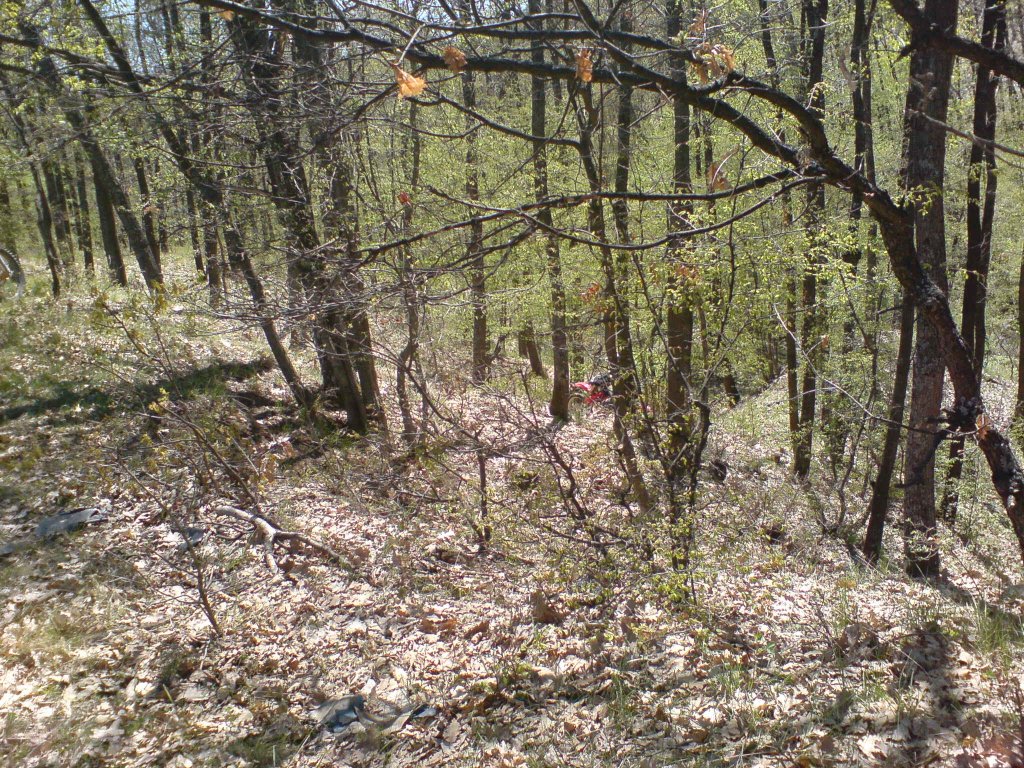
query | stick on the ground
(270,533)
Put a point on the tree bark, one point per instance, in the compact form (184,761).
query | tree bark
(878,506)
(475,243)
(678,313)
(108,231)
(814,14)
(559,404)
(148,208)
(84,217)
(44,222)
(981,209)
(924,176)
(615,311)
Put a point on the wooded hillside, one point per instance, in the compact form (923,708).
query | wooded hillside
(619,382)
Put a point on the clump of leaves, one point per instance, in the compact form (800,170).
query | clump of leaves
(454,59)
(408,84)
(584,65)
(712,61)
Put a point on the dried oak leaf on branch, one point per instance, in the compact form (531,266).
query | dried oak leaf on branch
(454,59)
(717,181)
(713,61)
(584,65)
(700,24)
(408,84)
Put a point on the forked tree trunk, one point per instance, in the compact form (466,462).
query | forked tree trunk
(617,334)
(148,208)
(335,342)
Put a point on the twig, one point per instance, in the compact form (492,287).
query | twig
(270,533)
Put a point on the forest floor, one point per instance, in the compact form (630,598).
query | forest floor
(540,649)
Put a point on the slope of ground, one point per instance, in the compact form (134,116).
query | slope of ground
(533,615)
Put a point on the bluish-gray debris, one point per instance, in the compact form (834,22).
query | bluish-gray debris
(193,537)
(337,714)
(69,521)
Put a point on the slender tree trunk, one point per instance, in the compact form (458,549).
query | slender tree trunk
(617,335)
(211,250)
(878,506)
(474,245)
(528,348)
(925,147)
(193,229)
(44,221)
(8,229)
(789,320)
(410,296)
(57,213)
(148,208)
(559,405)
(980,215)
(108,232)
(1018,411)
(84,215)
(815,17)
(680,461)
(103,172)
(208,216)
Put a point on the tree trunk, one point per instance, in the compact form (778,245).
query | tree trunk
(814,16)
(44,221)
(878,507)
(148,208)
(980,215)
(84,217)
(475,243)
(193,229)
(679,313)
(528,347)
(334,340)
(615,314)
(559,405)
(8,229)
(108,232)
(1018,411)
(407,358)
(924,174)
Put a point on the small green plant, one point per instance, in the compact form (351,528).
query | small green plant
(997,633)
